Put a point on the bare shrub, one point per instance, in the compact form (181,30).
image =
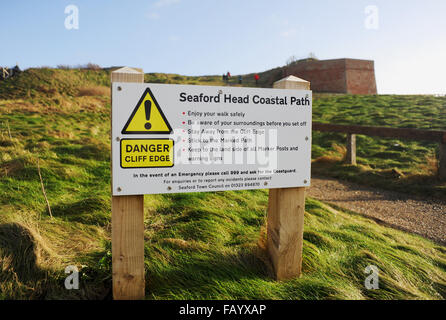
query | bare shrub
(92,66)
(64,67)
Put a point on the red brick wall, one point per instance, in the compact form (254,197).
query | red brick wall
(340,75)
(360,75)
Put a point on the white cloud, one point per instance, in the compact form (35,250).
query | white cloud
(153,16)
(288,33)
(284,27)
(165,3)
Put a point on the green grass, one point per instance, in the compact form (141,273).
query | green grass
(36,84)
(197,246)
(201,251)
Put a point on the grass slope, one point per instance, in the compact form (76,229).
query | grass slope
(212,246)
(202,245)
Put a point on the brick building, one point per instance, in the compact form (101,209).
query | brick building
(337,76)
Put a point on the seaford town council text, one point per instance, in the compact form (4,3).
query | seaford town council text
(256,99)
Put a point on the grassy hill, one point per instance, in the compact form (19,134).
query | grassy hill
(202,245)
(402,165)
(407,166)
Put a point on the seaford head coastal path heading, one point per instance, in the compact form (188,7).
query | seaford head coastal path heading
(246,99)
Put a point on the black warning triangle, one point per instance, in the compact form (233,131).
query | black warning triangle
(147,117)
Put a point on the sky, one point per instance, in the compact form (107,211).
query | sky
(406,39)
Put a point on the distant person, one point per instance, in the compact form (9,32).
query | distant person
(228,75)
(240,79)
(16,70)
(223,77)
(256,78)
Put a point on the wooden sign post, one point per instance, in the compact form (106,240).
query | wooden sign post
(128,227)
(286,209)
(351,149)
(442,160)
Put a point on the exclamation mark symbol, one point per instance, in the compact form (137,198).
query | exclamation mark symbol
(148,108)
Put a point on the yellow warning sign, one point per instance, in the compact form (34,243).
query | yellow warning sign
(147,117)
(146,153)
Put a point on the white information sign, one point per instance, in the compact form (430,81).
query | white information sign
(183,138)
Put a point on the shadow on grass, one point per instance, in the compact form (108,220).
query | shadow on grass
(19,245)
(90,150)
(94,211)
(200,273)
(20,275)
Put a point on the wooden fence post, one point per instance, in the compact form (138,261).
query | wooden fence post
(351,149)
(442,160)
(286,208)
(128,227)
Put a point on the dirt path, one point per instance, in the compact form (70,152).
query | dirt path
(424,217)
